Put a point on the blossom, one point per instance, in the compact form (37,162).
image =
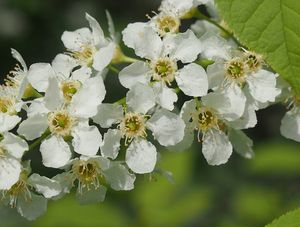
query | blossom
(161,65)
(94,174)
(141,155)
(12,149)
(89,47)
(28,202)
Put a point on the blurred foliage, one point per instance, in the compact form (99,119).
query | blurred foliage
(242,193)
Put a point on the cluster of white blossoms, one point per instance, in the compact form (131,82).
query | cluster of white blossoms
(59,107)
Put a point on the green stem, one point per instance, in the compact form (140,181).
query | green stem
(201,16)
(121,101)
(128,59)
(114,69)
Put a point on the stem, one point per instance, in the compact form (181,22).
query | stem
(201,16)
(114,69)
(39,140)
(121,101)
(128,59)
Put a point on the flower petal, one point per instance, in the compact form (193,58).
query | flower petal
(241,143)
(63,65)
(74,41)
(103,56)
(47,187)
(91,195)
(137,72)
(33,208)
(167,127)
(10,170)
(192,80)
(55,152)
(290,126)
(86,140)
(119,177)
(111,143)
(86,101)
(39,74)
(33,127)
(108,114)
(140,98)
(97,32)
(143,39)
(165,97)
(216,147)
(183,46)
(53,97)
(8,122)
(14,145)
(141,156)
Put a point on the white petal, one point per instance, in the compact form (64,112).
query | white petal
(8,122)
(216,148)
(37,106)
(97,32)
(247,120)
(108,114)
(290,126)
(86,140)
(86,101)
(33,208)
(187,109)
(53,97)
(215,75)
(186,142)
(167,127)
(241,143)
(138,72)
(14,145)
(48,187)
(192,80)
(33,127)
(103,56)
(229,103)
(183,46)
(75,40)
(214,47)
(141,156)
(143,39)
(165,97)
(82,74)
(140,98)
(63,65)
(262,86)
(55,152)
(19,58)
(39,74)
(119,178)
(111,143)
(10,170)
(91,196)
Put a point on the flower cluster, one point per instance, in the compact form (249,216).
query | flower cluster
(97,146)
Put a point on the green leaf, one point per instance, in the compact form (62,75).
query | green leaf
(271,28)
(291,219)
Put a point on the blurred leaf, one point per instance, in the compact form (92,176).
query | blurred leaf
(276,159)
(270,28)
(291,219)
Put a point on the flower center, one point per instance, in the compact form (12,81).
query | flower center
(133,125)
(253,61)
(7,105)
(205,119)
(60,123)
(69,88)
(164,70)
(167,24)
(236,70)
(87,173)
(85,56)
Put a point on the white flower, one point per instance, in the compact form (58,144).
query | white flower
(93,174)
(89,47)
(141,155)
(30,204)
(12,149)
(162,56)
(245,73)
(64,118)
